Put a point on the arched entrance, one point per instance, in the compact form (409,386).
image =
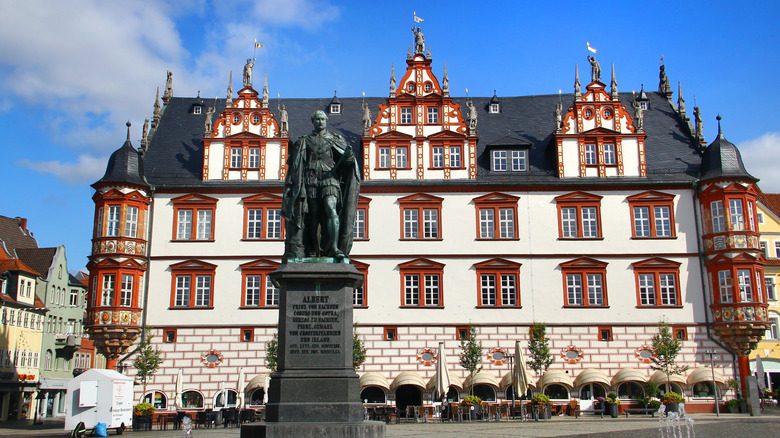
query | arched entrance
(407,395)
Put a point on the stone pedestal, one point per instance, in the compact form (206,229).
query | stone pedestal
(315,391)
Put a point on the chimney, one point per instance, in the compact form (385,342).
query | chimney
(22,224)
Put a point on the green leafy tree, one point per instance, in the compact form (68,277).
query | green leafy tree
(665,350)
(471,354)
(358,349)
(272,352)
(148,360)
(539,348)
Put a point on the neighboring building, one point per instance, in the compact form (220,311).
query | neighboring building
(21,329)
(64,296)
(589,212)
(769,348)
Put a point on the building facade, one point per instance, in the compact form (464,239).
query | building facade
(594,212)
(769,348)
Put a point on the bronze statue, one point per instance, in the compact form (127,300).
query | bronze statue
(320,194)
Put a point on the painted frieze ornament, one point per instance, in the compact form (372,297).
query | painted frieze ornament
(427,357)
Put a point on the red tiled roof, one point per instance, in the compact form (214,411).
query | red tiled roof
(771,201)
(14,236)
(16,265)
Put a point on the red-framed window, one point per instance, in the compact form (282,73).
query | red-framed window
(600,152)
(584,283)
(247,334)
(393,153)
(193,218)
(420,217)
(263,217)
(120,214)
(257,289)
(116,284)
(360,294)
(498,283)
(169,335)
(192,285)
(421,283)
(605,333)
(737,280)
(652,215)
(390,333)
(446,154)
(496,216)
(360,230)
(657,283)
(461,332)
(680,332)
(579,216)
(729,209)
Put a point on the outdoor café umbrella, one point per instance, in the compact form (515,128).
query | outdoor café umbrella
(241,384)
(266,384)
(179,384)
(519,376)
(442,374)
(760,373)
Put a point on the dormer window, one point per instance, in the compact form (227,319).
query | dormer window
(335,108)
(643,105)
(495,104)
(197,109)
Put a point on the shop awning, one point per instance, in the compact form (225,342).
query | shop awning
(506,381)
(628,375)
(374,379)
(455,382)
(483,377)
(591,375)
(257,381)
(408,378)
(704,374)
(660,378)
(555,377)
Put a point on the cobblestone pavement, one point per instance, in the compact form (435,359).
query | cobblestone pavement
(705,426)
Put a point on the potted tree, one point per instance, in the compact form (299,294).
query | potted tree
(541,402)
(672,401)
(666,347)
(142,416)
(611,405)
(471,360)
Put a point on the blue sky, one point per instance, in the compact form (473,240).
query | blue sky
(73,72)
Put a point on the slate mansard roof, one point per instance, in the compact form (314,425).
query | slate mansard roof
(174,157)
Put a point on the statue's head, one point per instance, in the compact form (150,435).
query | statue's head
(249,60)
(319,119)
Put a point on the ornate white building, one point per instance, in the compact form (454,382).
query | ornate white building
(598,213)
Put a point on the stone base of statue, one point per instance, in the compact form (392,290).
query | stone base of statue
(315,391)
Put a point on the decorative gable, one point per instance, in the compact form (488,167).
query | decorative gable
(598,137)
(437,143)
(245,142)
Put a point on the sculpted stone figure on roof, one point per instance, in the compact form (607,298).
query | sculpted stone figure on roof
(640,115)
(366,117)
(284,120)
(663,81)
(595,69)
(250,63)
(472,115)
(320,194)
(419,41)
(209,119)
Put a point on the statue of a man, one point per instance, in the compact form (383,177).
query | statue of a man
(419,41)
(640,117)
(558,115)
(366,117)
(284,119)
(209,119)
(663,81)
(250,63)
(595,69)
(472,115)
(320,194)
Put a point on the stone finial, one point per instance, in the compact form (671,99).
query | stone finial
(156,112)
(409,54)
(613,85)
(168,87)
(128,128)
(445,88)
(392,80)
(265,91)
(577,92)
(229,101)
(145,134)
(681,102)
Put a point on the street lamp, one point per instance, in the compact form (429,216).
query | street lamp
(714,383)
(511,358)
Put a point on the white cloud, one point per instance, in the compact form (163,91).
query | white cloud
(761,157)
(85,170)
(86,67)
